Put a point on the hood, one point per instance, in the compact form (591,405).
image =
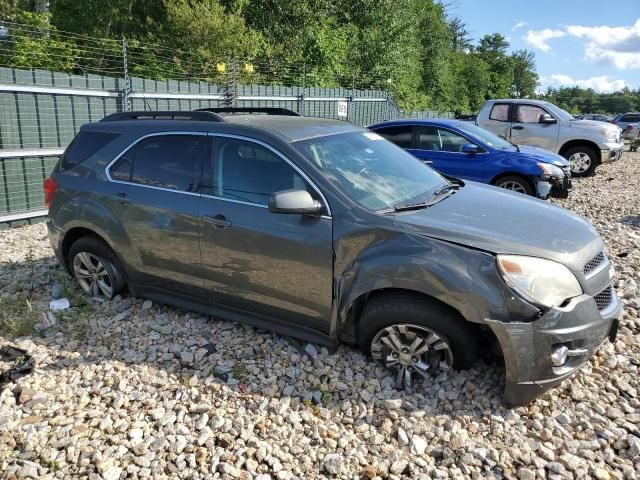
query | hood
(595,124)
(542,155)
(500,221)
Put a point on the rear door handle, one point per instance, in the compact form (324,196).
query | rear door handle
(218,221)
(518,127)
(428,162)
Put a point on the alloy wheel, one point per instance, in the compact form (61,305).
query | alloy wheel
(580,162)
(513,185)
(412,351)
(92,275)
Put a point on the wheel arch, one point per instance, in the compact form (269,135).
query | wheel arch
(524,176)
(349,328)
(77,231)
(581,143)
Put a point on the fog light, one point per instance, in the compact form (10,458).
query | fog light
(559,356)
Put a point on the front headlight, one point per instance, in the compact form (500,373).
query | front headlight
(540,281)
(611,134)
(551,170)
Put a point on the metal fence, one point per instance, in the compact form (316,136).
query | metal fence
(41,110)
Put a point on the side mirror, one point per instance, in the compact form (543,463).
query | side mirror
(470,148)
(294,201)
(546,118)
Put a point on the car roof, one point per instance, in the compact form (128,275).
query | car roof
(531,101)
(291,127)
(445,122)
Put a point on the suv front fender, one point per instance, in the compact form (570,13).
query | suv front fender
(462,278)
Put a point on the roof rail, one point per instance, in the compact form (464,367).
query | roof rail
(164,115)
(263,110)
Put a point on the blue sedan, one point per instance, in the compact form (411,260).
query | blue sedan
(463,150)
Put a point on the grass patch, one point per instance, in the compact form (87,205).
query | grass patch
(239,372)
(17,317)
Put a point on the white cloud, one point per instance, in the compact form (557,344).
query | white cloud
(539,38)
(600,84)
(619,46)
(518,25)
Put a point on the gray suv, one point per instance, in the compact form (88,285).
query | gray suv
(325,231)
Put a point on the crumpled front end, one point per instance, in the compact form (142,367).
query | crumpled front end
(542,353)
(554,186)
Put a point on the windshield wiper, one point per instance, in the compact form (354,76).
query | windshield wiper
(442,192)
(438,195)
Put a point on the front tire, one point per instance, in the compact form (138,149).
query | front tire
(515,183)
(415,337)
(583,161)
(96,267)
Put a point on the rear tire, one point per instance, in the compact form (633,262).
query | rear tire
(515,183)
(431,337)
(96,267)
(583,160)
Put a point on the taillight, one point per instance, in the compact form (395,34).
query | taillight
(50,187)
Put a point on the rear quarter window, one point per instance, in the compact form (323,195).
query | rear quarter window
(83,146)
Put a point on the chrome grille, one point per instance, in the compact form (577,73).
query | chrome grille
(593,263)
(603,299)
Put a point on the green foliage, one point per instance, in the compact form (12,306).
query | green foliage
(525,77)
(412,48)
(585,100)
(17,317)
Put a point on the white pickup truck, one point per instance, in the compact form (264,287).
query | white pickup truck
(585,143)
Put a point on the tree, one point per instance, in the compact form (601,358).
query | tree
(493,50)
(525,77)
(460,39)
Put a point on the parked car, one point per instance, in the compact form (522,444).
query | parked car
(324,231)
(463,150)
(631,131)
(584,143)
(598,117)
(623,119)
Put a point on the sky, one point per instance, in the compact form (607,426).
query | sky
(588,43)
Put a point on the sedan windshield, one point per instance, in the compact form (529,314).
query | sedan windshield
(485,137)
(372,171)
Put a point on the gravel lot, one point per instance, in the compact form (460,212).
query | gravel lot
(131,389)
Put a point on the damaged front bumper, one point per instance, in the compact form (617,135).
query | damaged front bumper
(533,351)
(556,187)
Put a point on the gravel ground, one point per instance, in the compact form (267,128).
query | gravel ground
(131,389)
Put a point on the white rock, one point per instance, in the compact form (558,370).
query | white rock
(418,445)
(332,463)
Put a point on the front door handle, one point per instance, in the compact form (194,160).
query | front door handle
(218,220)
(121,198)
(518,127)
(428,162)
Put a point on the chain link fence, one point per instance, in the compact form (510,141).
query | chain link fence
(42,109)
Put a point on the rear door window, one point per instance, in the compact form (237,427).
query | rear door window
(84,145)
(500,112)
(428,138)
(169,161)
(401,135)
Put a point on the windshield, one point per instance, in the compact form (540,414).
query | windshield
(558,112)
(372,171)
(485,137)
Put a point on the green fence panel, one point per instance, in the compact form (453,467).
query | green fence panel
(10,127)
(15,182)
